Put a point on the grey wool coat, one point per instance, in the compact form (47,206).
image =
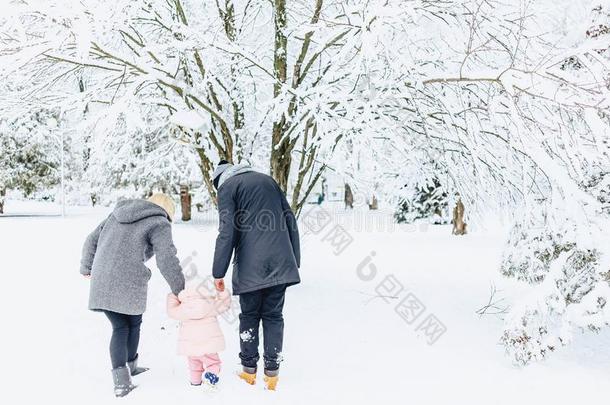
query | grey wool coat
(257,224)
(115,253)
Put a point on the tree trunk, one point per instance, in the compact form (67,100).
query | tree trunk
(374,204)
(2,194)
(281,159)
(348,197)
(281,156)
(459,226)
(228,18)
(185,202)
(206,167)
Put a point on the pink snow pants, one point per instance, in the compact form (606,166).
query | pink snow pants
(198,364)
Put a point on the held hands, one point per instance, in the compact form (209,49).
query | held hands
(219,283)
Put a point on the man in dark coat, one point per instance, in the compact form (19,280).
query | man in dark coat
(257,223)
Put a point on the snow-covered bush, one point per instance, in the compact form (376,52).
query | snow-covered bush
(534,243)
(561,246)
(428,201)
(598,184)
(573,296)
(30,152)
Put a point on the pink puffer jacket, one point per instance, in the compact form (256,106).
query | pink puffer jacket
(200,332)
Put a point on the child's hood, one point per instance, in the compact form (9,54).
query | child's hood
(197,305)
(130,211)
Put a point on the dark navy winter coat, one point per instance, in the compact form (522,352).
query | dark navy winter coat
(257,223)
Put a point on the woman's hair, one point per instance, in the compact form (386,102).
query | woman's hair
(164,201)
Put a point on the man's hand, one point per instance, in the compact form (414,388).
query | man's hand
(87,276)
(219,283)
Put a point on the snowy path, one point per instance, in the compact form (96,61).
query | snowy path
(342,345)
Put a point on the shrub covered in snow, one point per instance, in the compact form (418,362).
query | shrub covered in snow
(565,256)
(573,296)
(598,184)
(29,152)
(561,245)
(427,201)
(533,245)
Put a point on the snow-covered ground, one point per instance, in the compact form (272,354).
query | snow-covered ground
(344,343)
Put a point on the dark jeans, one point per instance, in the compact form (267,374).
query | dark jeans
(125,337)
(264,305)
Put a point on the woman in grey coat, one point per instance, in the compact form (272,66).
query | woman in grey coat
(113,258)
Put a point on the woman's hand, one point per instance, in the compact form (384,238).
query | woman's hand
(219,283)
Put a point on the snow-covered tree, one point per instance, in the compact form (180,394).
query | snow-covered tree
(136,157)
(30,150)
(270,81)
(282,84)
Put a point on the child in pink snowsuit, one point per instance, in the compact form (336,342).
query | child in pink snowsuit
(200,337)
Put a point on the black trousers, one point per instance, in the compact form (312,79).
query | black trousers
(264,306)
(125,337)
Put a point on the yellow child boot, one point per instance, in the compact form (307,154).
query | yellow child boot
(271,379)
(248,375)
